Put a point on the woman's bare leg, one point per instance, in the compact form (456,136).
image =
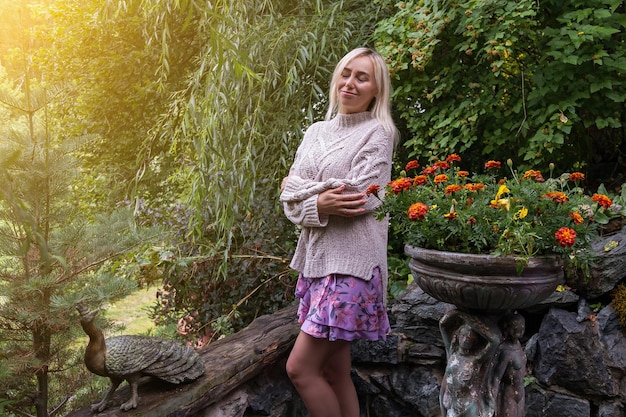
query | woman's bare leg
(337,373)
(309,368)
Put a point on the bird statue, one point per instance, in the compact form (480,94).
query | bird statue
(129,358)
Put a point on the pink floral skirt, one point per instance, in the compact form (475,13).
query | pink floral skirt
(343,307)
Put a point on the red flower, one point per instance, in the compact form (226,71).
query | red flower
(602,200)
(442,165)
(417,211)
(576,176)
(492,164)
(372,189)
(471,220)
(453,158)
(451,215)
(453,189)
(420,180)
(411,165)
(565,236)
(429,170)
(441,178)
(557,197)
(397,186)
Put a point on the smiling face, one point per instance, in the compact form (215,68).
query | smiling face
(356,86)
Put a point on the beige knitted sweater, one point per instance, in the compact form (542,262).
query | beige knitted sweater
(351,149)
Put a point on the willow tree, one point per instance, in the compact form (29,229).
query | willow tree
(260,78)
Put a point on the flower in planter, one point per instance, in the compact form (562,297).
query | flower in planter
(443,207)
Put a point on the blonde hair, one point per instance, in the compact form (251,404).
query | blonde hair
(381,105)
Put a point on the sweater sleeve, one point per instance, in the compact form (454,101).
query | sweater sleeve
(299,195)
(371,166)
(299,199)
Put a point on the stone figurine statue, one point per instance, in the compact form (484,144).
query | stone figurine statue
(484,375)
(510,369)
(471,348)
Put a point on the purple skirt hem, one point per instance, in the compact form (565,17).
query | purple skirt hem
(342,307)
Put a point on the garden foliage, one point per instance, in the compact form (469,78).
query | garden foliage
(485,78)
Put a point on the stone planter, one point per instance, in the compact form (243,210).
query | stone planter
(486,364)
(484,282)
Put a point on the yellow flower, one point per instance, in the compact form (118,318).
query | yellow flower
(521,213)
(502,190)
(504,203)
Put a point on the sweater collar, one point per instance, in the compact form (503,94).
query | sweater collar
(348,121)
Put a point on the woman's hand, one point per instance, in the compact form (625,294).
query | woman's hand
(335,202)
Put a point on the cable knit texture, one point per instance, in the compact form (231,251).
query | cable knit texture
(354,150)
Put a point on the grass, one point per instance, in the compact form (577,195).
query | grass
(130,314)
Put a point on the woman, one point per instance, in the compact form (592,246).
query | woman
(342,250)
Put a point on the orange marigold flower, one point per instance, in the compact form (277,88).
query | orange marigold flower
(534,175)
(565,236)
(417,211)
(451,215)
(420,180)
(372,189)
(411,165)
(602,200)
(557,197)
(429,170)
(442,165)
(453,188)
(462,174)
(453,158)
(576,176)
(492,164)
(397,186)
(578,219)
(474,187)
(441,178)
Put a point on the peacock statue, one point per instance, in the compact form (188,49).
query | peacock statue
(129,358)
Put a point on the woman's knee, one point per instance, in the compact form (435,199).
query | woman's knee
(297,369)
(292,368)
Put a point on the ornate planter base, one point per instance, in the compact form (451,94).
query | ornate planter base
(486,365)
(485,361)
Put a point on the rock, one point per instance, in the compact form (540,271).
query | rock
(609,269)
(381,351)
(612,337)
(419,387)
(570,355)
(614,409)
(418,315)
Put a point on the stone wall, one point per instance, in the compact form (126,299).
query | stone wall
(576,361)
(577,367)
